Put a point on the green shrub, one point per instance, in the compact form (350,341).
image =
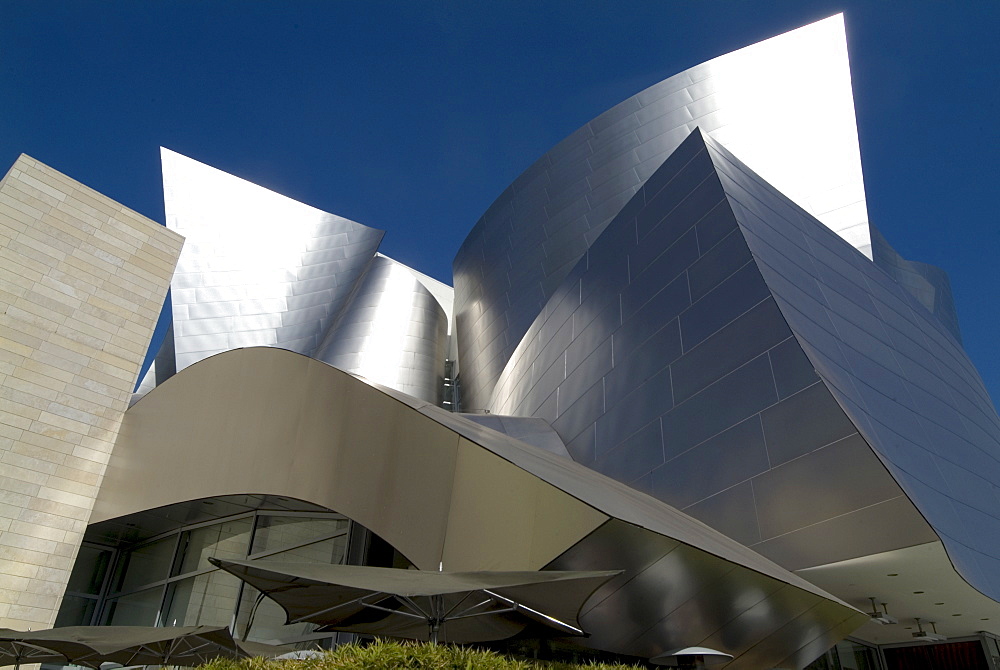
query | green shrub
(384,655)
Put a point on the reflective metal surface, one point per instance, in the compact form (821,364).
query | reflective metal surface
(392,331)
(664,362)
(784,105)
(536,432)
(428,480)
(262,269)
(893,366)
(258,268)
(928,284)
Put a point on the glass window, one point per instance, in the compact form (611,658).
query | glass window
(89,570)
(281,532)
(76,611)
(223,540)
(143,565)
(827,661)
(136,609)
(169,581)
(264,621)
(326,551)
(854,656)
(204,600)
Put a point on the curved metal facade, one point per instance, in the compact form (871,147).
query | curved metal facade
(928,284)
(664,362)
(894,368)
(536,432)
(784,104)
(392,331)
(723,350)
(262,269)
(258,268)
(428,480)
(663,335)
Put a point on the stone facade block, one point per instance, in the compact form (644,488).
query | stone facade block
(83,280)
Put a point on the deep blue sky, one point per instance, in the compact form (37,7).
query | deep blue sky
(412,117)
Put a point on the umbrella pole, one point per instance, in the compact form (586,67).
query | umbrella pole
(437,614)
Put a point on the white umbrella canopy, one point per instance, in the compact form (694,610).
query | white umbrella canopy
(417,604)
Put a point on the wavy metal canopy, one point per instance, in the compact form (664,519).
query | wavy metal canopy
(445,490)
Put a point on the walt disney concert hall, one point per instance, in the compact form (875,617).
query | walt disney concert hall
(675,347)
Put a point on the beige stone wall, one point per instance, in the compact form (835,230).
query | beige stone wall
(82,279)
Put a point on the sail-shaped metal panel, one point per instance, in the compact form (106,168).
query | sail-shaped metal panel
(259,268)
(893,366)
(723,350)
(785,105)
(446,491)
(664,362)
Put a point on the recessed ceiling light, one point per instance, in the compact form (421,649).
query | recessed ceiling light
(917,593)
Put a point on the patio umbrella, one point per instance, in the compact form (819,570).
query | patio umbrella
(17,647)
(417,604)
(695,658)
(135,645)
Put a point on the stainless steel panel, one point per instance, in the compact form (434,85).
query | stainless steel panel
(816,477)
(665,304)
(737,294)
(802,423)
(662,265)
(699,199)
(370,337)
(592,333)
(635,456)
(920,407)
(720,261)
(871,530)
(536,432)
(249,251)
(792,369)
(634,364)
(585,375)
(583,448)
(732,511)
(648,276)
(930,285)
(741,340)
(572,415)
(670,595)
(760,116)
(319,280)
(733,456)
(623,416)
(733,398)
(836,479)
